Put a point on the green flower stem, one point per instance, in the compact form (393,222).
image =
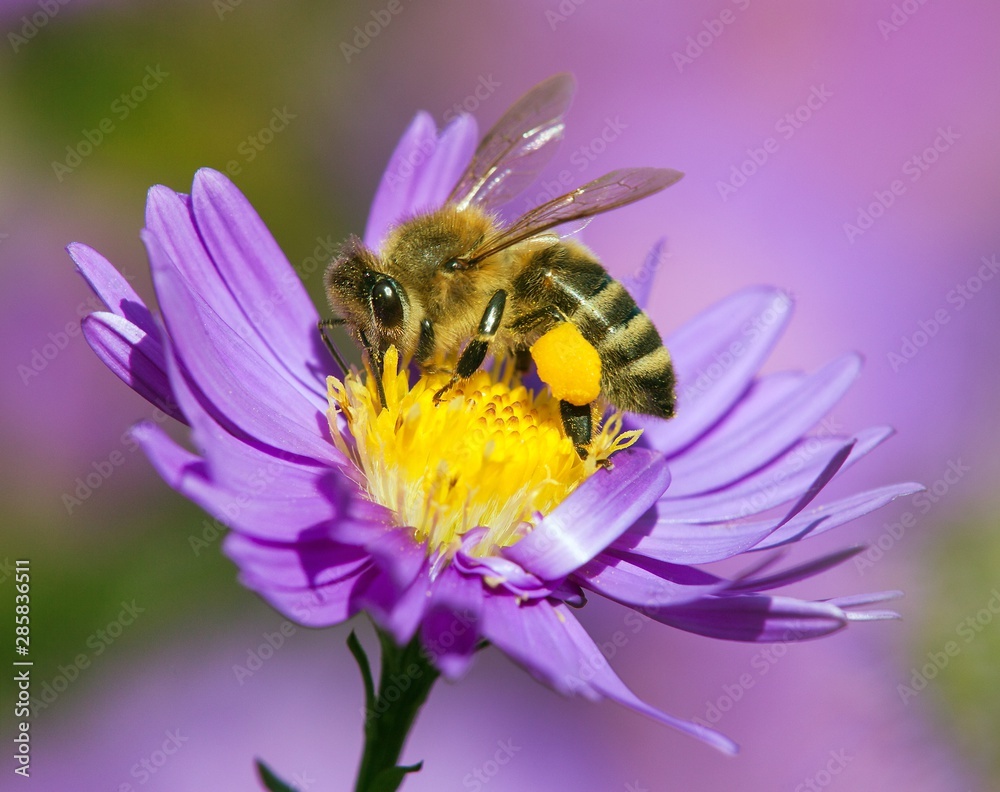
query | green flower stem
(405,682)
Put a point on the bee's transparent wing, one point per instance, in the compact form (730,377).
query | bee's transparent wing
(618,188)
(518,146)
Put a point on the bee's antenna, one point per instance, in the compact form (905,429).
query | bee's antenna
(323,325)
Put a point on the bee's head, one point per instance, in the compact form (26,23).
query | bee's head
(370,301)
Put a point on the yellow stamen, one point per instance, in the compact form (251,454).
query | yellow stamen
(494,455)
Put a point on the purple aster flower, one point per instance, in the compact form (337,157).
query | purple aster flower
(474,520)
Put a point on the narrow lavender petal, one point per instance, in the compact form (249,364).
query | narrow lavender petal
(314,607)
(804,469)
(393,199)
(452,154)
(504,572)
(261,280)
(715,356)
(244,390)
(550,644)
(741,444)
(593,516)
(831,515)
(794,574)
(112,288)
(875,615)
(450,629)
(754,618)
(643,582)
(640,283)
(298,565)
(134,356)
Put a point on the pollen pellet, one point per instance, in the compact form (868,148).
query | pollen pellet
(568,364)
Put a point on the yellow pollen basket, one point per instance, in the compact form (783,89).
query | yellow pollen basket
(494,454)
(568,364)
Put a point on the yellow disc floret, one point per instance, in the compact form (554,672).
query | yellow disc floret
(568,364)
(494,454)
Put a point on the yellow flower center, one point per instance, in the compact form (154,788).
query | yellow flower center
(494,454)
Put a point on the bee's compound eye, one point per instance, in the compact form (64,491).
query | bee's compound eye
(386,304)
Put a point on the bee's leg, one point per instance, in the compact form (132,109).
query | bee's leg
(542,319)
(323,325)
(375,361)
(475,352)
(522,360)
(578,425)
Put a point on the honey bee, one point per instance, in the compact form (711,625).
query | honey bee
(459,284)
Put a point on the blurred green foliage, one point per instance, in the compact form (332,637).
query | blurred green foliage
(963,607)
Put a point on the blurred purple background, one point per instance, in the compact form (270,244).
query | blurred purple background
(793,122)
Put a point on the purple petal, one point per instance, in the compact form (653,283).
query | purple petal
(551,645)
(134,356)
(259,495)
(300,565)
(643,582)
(831,515)
(261,280)
(245,394)
(755,618)
(794,574)
(399,613)
(393,199)
(805,469)
(315,607)
(110,285)
(750,438)
(449,632)
(170,223)
(715,356)
(593,516)
(433,183)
